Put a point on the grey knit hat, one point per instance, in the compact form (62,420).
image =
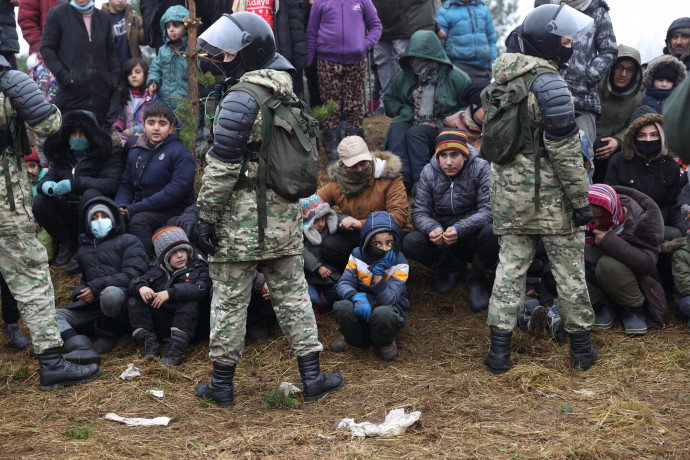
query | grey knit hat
(99,207)
(166,241)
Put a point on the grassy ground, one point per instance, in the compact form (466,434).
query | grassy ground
(631,404)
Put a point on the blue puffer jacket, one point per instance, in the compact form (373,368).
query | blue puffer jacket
(471,35)
(358,277)
(157,179)
(463,200)
(169,69)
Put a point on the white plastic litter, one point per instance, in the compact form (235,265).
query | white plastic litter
(130,372)
(397,421)
(288,388)
(587,393)
(138,421)
(156,393)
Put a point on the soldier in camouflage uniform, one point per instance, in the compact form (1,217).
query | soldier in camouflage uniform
(524,211)
(229,220)
(23,260)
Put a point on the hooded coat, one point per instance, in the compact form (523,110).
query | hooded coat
(618,104)
(637,247)
(385,192)
(99,169)
(680,23)
(593,54)
(451,81)
(471,35)
(357,277)
(463,200)
(655,97)
(658,178)
(111,261)
(169,68)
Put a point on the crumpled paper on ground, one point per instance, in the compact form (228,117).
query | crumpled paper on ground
(156,393)
(288,388)
(130,372)
(138,421)
(397,421)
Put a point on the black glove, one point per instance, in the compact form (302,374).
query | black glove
(188,222)
(207,237)
(582,216)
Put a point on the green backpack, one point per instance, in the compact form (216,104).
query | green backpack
(503,130)
(288,156)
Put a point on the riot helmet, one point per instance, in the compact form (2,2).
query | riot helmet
(248,35)
(544,26)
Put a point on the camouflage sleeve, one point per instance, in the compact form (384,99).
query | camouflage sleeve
(566,158)
(216,186)
(49,125)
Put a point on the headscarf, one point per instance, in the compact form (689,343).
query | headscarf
(605,197)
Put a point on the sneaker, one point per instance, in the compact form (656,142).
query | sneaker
(15,338)
(539,322)
(389,352)
(339,345)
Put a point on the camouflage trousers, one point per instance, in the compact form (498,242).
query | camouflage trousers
(566,255)
(232,290)
(24,265)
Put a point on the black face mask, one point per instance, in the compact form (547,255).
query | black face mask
(564,55)
(375,254)
(648,148)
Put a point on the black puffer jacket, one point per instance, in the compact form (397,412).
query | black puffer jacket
(9,43)
(100,169)
(291,38)
(658,178)
(112,261)
(191,284)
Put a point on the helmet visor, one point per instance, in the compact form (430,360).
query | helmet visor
(224,35)
(569,22)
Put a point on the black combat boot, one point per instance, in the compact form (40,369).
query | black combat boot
(220,388)
(331,139)
(316,385)
(55,372)
(582,353)
(78,349)
(477,293)
(498,357)
(176,346)
(150,348)
(354,132)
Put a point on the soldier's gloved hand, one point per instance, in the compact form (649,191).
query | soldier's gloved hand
(582,216)
(62,188)
(48,187)
(207,237)
(362,306)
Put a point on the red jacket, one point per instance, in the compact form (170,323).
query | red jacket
(32,18)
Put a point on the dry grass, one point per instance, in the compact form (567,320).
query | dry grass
(631,404)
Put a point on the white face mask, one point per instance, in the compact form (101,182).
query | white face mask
(101,227)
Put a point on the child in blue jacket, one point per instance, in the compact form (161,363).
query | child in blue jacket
(375,301)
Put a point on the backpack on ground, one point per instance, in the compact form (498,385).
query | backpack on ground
(288,155)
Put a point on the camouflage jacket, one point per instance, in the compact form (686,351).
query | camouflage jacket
(564,182)
(236,211)
(20,219)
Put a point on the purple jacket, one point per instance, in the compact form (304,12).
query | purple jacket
(342,30)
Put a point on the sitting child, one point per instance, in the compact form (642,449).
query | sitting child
(158,181)
(662,75)
(375,301)
(108,259)
(169,297)
(318,220)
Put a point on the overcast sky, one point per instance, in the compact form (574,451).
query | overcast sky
(641,24)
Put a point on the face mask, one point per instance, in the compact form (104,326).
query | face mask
(81,8)
(101,227)
(79,144)
(564,55)
(649,148)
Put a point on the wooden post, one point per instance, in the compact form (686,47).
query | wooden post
(192,56)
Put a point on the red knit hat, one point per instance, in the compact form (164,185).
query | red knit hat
(32,157)
(452,139)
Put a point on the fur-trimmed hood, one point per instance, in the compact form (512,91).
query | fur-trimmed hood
(57,146)
(644,225)
(643,116)
(387,165)
(664,61)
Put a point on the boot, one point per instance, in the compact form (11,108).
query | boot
(67,251)
(389,352)
(220,388)
(498,357)
(176,346)
(354,132)
(78,349)
(331,139)
(445,281)
(257,332)
(634,321)
(316,385)
(104,344)
(150,348)
(55,372)
(15,338)
(477,294)
(582,353)
(605,312)
(539,322)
